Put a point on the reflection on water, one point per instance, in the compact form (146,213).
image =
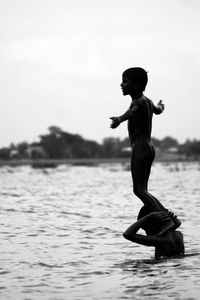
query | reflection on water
(61,234)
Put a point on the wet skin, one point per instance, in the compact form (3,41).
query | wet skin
(139,117)
(169,245)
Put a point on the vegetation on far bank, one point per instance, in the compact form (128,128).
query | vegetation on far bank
(58,144)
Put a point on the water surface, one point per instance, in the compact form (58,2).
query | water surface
(61,234)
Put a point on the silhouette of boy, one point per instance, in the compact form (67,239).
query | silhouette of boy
(139,116)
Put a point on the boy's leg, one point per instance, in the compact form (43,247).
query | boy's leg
(140,174)
(139,171)
(174,218)
(147,174)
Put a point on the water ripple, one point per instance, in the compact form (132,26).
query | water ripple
(61,234)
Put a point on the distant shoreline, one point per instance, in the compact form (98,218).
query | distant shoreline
(87,161)
(57,162)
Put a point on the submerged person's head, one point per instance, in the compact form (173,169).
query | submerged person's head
(152,227)
(134,80)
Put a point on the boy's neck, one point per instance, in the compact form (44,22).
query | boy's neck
(136,95)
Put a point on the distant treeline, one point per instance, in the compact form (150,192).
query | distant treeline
(58,144)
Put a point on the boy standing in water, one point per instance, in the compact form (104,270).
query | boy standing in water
(139,116)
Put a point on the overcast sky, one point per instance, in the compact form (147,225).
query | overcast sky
(61,64)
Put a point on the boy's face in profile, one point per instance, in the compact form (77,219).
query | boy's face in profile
(128,86)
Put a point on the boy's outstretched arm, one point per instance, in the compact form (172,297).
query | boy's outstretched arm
(127,115)
(146,240)
(159,108)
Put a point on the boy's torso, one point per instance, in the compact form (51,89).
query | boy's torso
(140,124)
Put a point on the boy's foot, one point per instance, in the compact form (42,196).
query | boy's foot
(172,224)
(174,218)
(177,222)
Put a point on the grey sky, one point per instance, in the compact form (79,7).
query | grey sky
(61,64)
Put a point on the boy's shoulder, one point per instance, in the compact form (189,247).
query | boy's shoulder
(176,238)
(145,99)
(145,102)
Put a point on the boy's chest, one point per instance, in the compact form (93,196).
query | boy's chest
(138,118)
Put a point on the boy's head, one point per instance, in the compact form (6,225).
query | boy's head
(134,79)
(152,227)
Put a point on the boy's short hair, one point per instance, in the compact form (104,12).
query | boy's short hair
(138,75)
(143,212)
(152,227)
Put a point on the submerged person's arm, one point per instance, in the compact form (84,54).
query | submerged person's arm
(146,240)
(159,108)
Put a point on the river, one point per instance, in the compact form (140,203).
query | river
(61,234)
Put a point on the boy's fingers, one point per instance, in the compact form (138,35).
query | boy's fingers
(165,218)
(163,213)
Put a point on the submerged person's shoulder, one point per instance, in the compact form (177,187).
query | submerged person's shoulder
(176,238)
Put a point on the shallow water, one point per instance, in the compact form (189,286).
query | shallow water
(61,234)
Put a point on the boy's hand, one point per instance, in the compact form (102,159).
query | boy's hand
(160,216)
(161,105)
(115,122)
